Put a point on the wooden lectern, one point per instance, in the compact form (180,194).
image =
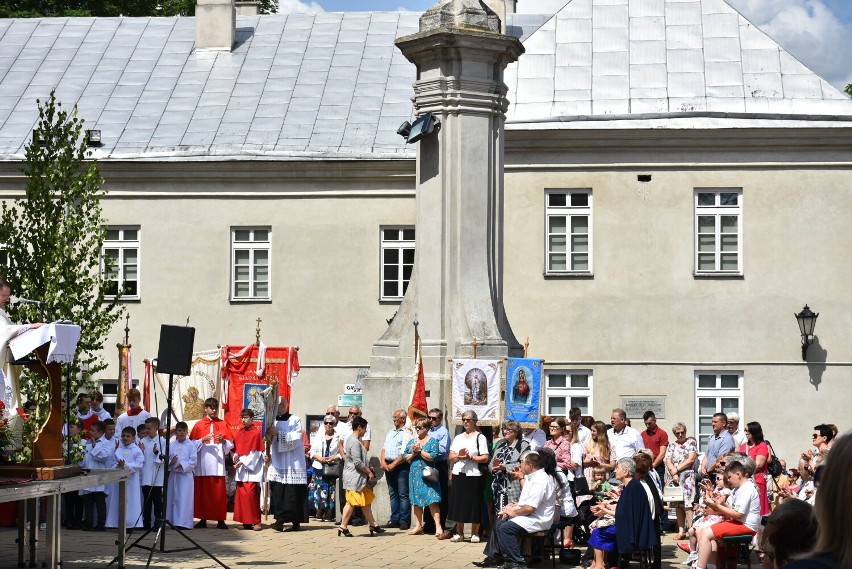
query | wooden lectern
(53,345)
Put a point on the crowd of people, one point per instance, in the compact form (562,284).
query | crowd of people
(612,484)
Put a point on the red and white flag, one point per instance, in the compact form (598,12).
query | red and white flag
(418,405)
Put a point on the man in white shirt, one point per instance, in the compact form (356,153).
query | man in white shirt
(625,440)
(583,432)
(534,511)
(737,433)
(535,437)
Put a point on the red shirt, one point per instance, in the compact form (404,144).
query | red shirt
(247,440)
(202,429)
(655,440)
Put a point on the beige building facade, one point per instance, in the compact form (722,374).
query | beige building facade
(677,289)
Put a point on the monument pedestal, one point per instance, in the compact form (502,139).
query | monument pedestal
(456,288)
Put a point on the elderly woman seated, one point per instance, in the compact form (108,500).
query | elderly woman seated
(634,528)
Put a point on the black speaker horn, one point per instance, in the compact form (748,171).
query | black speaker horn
(175,353)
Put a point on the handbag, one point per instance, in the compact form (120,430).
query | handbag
(332,471)
(774,465)
(430,474)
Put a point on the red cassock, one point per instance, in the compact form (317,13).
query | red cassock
(211,500)
(248,449)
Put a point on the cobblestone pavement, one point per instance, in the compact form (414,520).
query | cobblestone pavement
(316,546)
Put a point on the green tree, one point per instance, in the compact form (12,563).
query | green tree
(107,8)
(53,237)
(849,89)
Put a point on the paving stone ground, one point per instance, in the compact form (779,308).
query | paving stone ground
(318,546)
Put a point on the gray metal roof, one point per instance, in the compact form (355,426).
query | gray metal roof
(333,85)
(641,57)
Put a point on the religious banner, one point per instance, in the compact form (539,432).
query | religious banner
(523,391)
(248,372)
(190,391)
(476,387)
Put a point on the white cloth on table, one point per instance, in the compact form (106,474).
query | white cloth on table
(63,340)
(181,493)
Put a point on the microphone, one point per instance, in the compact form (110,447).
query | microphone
(19,300)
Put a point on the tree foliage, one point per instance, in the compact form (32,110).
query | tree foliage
(54,234)
(107,8)
(849,89)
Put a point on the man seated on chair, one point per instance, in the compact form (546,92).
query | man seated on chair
(742,517)
(533,512)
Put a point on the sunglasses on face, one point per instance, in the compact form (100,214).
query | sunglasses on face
(328,423)
(434,419)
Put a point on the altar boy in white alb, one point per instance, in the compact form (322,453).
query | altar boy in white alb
(153,448)
(129,457)
(183,456)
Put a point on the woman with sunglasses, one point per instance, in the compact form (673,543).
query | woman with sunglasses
(468,451)
(680,471)
(420,452)
(324,454)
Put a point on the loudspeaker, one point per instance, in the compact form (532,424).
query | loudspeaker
(175,353)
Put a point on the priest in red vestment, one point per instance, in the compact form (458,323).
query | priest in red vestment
(211,500)
(248,461)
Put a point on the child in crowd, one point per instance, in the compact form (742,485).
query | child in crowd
(85,414)
(141,432)
(152,446)
(248,461)
(129,457)
(703,518)
(97,404)
(742,516)
(135,414)
(183,456)
(600,485)
(215,442)
(98,453)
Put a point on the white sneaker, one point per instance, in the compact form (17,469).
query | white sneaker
(457,538)
(474,539)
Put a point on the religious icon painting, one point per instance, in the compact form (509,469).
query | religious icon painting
(523,391)
(476,387)
(253,399)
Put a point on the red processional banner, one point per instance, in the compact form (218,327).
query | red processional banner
(248,371)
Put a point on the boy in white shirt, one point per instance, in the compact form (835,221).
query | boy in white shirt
(742,515)
(153,448)
(129,457)
(183,456)
(98,453)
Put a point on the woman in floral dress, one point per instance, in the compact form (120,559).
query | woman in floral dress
(680,462)
(507,457)
(419,453)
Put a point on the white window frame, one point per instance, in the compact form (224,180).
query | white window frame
(121,245)
(568,392)
(569,212)
(719,393)
(253,246)
(717,211)
(400,245)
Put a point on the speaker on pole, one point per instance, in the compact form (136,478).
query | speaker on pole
(175,353)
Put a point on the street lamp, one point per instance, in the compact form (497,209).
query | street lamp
(807,322)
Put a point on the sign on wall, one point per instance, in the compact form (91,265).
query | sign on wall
(635,406)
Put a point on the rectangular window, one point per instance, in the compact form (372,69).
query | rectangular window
(4,257)
(568,225)
(397,261)
(564,389)
(120,262)
(715,392)
(251,249)
(718,231)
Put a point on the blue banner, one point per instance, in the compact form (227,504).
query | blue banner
(523,391)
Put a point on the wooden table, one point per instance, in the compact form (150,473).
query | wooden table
(27,495)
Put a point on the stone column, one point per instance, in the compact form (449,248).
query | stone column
(456,290)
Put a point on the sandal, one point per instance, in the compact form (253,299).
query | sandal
(457,538)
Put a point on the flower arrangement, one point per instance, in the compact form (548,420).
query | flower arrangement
(77,449)
(6,439)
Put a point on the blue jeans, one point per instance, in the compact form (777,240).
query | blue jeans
(506,536)
(397,480)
